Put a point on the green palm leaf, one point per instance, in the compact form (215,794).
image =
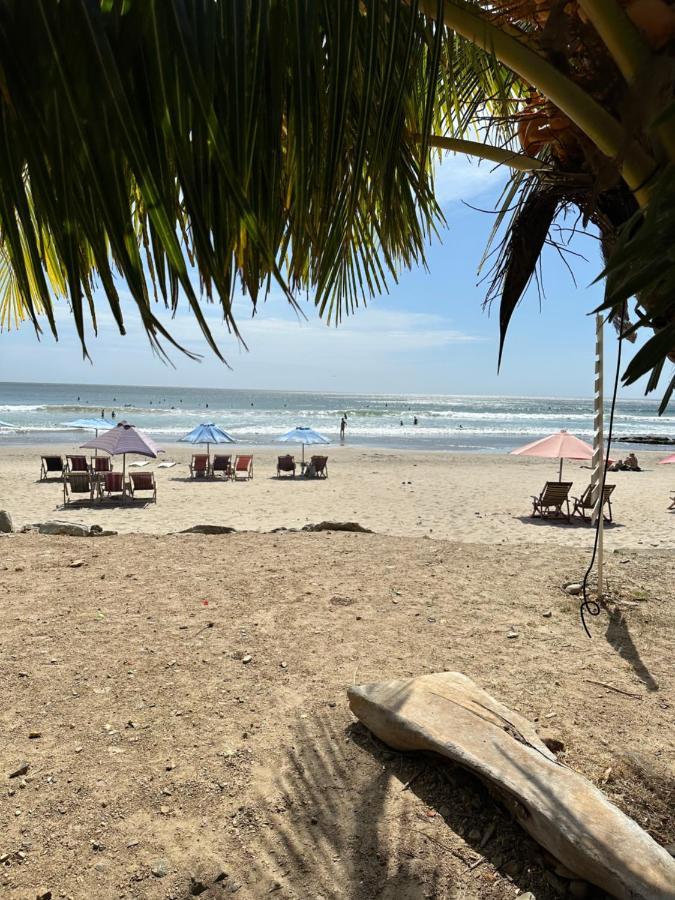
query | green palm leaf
(260,141)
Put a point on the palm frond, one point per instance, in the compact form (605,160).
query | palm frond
(642,264)
(262,141)
(289,143)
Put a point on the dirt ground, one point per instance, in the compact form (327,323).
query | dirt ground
(180,702)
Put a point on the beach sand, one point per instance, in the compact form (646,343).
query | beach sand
(189,691)
(482,498)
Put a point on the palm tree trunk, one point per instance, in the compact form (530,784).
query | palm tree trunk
(608,135)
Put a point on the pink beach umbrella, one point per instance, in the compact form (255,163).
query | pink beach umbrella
(561,445)
(668,459)
(123,439)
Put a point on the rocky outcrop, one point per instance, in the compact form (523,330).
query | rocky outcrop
(208,529)
(338,526)
(644,439)
(6,526)
(73,529)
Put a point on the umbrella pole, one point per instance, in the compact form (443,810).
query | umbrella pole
(124,475)
(560,471)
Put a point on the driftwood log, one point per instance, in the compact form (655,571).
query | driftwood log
(449,714)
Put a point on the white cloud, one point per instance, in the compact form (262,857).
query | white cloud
(459,177)
(379,346)
(370,331)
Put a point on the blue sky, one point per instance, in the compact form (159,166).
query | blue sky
(428,335)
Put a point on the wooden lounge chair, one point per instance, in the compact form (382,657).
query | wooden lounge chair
(110,485)
(584,505)
(101,464)
(554,496)
(199,466)
(320,466)
(143,481)
(77,464)
(77,486)
(51,465)
(222,464)
(286,464)
(243,468)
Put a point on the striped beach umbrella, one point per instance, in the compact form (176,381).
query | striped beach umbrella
(123,439)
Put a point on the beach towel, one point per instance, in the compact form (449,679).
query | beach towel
(143,462)
(167,465)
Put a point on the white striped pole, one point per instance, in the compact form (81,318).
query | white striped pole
(598,448)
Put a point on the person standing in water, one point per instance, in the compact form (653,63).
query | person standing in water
(343,425)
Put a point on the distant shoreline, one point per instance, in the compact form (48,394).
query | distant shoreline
(458,424)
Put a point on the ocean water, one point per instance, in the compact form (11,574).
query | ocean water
(459,423)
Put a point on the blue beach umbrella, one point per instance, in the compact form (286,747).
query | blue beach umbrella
(94,425)
(208,434)
(90,424)
(303,435)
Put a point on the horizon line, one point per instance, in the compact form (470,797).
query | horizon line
(517,396)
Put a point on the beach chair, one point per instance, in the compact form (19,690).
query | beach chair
(101,464)
(111,485)
(286,464)
(143,481)
(554,496)
(320,466)
(672,501)
(77,464)
(199,466)
(583,505)
(51,465)
(243,468)
(222,464)
(77,486)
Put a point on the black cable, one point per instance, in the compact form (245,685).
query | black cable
(592,607)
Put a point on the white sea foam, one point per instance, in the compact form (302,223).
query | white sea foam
(444,422)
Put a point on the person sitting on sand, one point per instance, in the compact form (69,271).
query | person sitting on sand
(630,463)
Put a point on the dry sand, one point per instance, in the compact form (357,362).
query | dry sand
(164,752)
(482,498)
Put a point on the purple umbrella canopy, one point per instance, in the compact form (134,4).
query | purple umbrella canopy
(122,439)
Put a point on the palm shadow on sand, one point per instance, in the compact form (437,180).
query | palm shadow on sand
(343,826)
